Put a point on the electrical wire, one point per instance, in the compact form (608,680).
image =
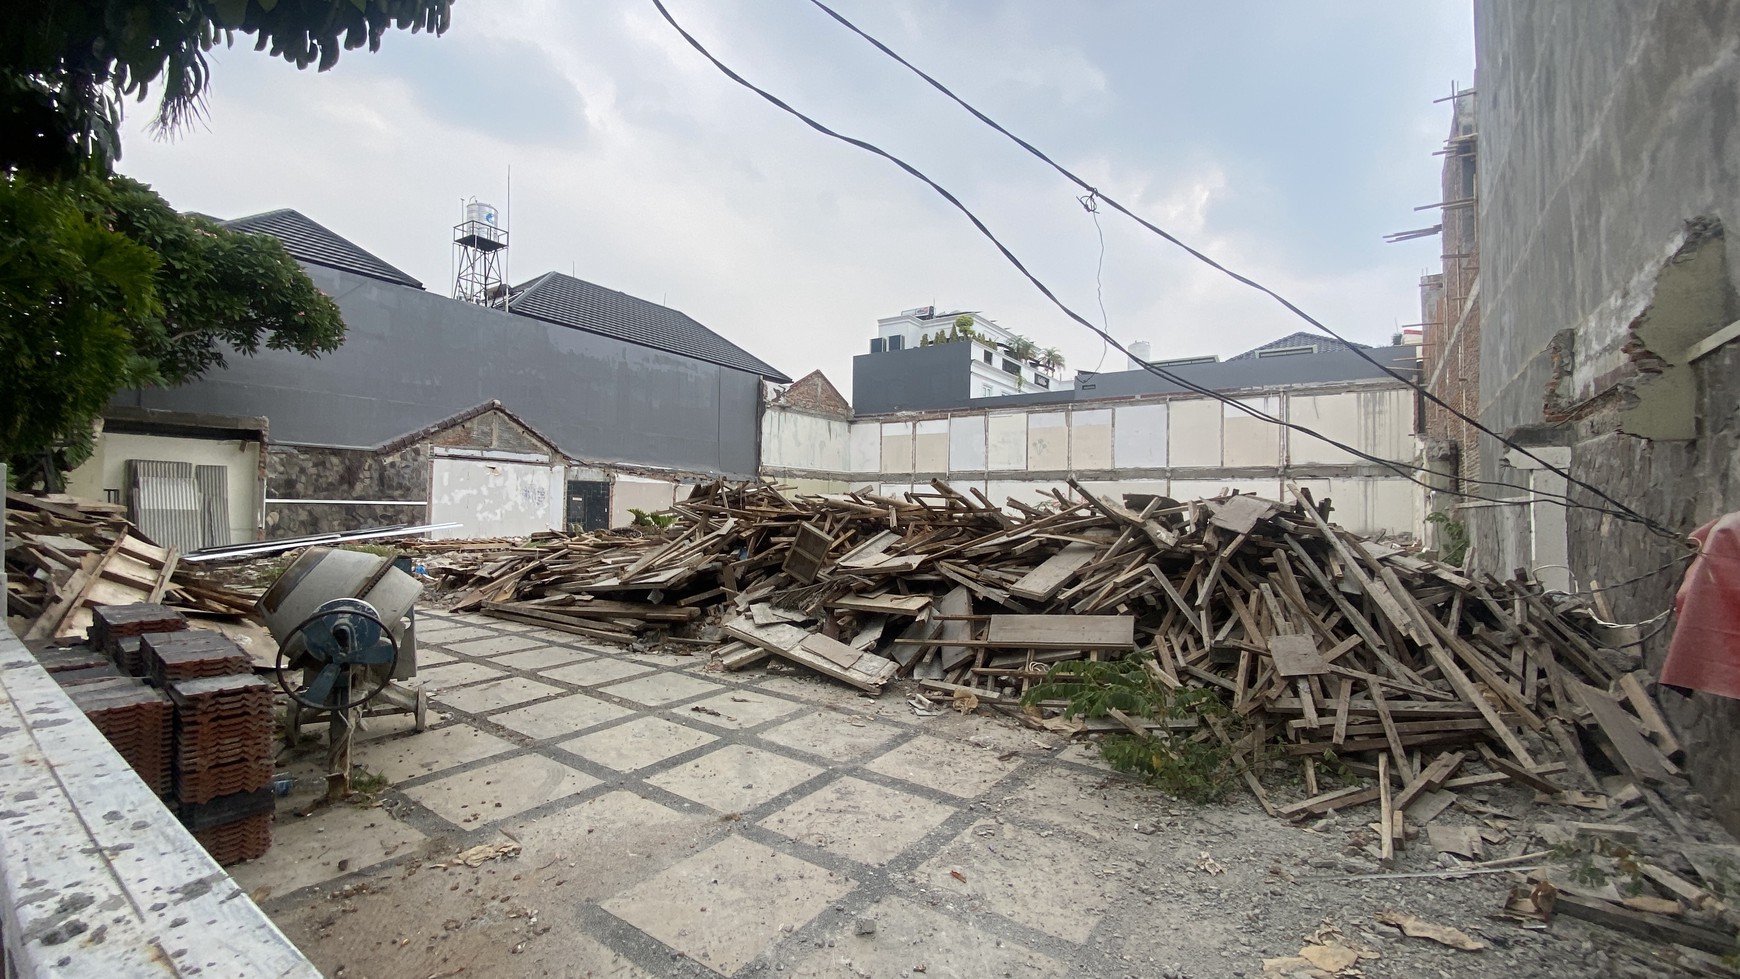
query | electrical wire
(1401,469)
(1621,508)
(1090,204)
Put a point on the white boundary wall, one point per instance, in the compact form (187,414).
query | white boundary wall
(1182,447)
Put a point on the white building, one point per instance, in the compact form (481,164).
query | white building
(994,372)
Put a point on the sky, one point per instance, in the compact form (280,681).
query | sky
(1284,139)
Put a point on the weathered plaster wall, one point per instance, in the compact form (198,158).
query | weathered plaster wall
(106,469)
(1609,153)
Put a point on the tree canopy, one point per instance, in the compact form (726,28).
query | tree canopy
(103,286)
(67,66)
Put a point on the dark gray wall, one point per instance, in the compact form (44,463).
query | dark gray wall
(936,379)
(412,358)
(1605,127)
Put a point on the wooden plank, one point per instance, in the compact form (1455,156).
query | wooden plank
(1241,513)
(1062,631)
(1655,927)
(809,551)
(1296,655)
(865,671)
(1386,815)
(163,578)
(1642,760)
(883,604)
(1659,731)
(1046,580)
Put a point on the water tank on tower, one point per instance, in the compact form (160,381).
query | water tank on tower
(479,247)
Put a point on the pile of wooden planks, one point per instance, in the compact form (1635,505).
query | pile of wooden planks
(1320,642)
(66,556)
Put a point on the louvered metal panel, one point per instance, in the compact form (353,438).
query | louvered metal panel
(163,500)
(214,504)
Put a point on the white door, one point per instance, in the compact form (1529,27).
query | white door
(495,499)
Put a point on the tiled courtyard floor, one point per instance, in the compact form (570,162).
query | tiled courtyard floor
(675,821)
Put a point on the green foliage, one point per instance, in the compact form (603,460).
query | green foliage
(1023,349)
(1052,358)
(104,286)
(73,293)
(1452,537)
(66,67)
(1189,766)
(645,519)
(964,323)
(1595,860)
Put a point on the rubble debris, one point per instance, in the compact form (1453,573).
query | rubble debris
(1320,643)
(1442,934)
(66,556)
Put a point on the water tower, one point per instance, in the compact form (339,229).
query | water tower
(480,255)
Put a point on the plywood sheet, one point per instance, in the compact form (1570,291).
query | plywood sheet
(1062,631)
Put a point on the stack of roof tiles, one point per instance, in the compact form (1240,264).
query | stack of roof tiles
(137,721)
(172,656)
(114,629)
(224,760)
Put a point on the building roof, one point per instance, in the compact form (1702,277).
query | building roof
(1323,342)
(315,244)
(565,300)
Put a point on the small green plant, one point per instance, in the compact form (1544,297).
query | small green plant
(1452,537)
(656,520)
(1594,861)
(365,787)
(1191,766)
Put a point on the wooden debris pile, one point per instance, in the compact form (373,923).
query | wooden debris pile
(65,556)
(1322,644)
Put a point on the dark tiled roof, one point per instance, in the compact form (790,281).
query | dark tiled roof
(316,245)
(1322,341)
(568,301)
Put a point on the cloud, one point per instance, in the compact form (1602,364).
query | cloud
(638,166)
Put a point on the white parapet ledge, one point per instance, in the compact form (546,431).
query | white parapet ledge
(97,877)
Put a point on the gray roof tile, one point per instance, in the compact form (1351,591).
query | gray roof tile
(568,301)
(312,243)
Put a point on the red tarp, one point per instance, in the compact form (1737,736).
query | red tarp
(1705,652)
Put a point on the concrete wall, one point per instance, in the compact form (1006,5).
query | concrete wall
(629,493)
(796,440)
(491,498)
(1180,447)
(106,469)
(1610,132)
(412,358)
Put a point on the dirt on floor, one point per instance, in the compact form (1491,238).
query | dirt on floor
(640,815)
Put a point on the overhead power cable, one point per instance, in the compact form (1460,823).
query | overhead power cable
(1400,468)
(1631,514)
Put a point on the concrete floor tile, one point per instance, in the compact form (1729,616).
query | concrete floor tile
(956,767)
(835,736)
(506,788)
(908,935)
(496,694)
(734,778)
(450,633)
(455,674)
(595,671)
(725,906)
(641,742)
(492,645)
(555,718)
(308,850)
(411,755)
(538,660)
(428,656)
(858,819)
(737,709)
(660,688)
(1001,867)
